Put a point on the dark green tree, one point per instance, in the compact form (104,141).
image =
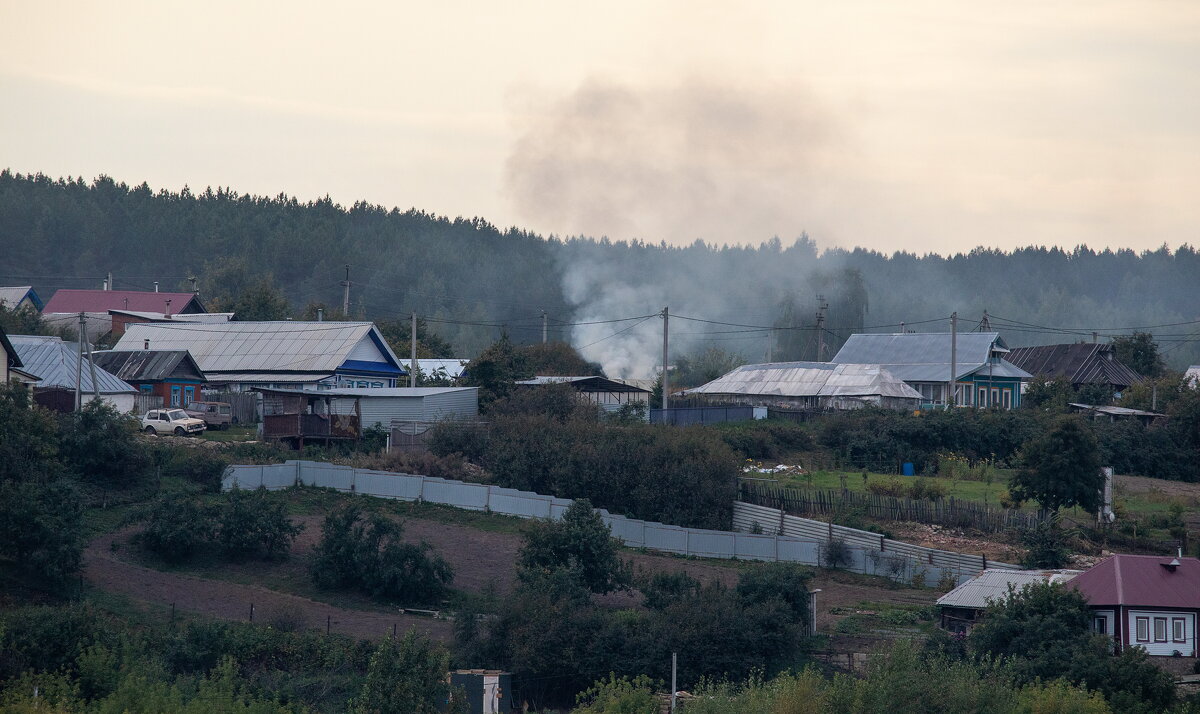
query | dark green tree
(580,544)
(41,527)
(28,438)
(398,333)
(1061,468)
(1140,353)
(558,359)
(251,523)
(407,677)
(496,370)
(100,446)
(176,525)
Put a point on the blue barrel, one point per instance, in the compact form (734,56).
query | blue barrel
(908,469)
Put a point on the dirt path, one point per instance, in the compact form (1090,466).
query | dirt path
(482,561)
(231,601)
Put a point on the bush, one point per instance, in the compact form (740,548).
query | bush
(888,487)
(250,524)
(765,439)
(580,544)
(783,582)
(661,589)
(199,466)
(836,554)
(100,445)
(366,553)
(41,527)
(176,525)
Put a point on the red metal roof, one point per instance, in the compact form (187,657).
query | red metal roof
(1141,581)
(105,300)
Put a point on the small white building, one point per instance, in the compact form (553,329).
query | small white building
(59,368)
(387,405)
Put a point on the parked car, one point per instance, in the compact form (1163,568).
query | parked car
(171,421)
(216,415)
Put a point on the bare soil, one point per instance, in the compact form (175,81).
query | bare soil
(482,560)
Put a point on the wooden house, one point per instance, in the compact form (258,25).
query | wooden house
(171,375)
(983,377)
(1082,365)
(298,417)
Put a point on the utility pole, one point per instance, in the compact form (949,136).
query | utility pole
(412,371)
(985,325)
(822,306)
(79,367)
(953,358)
(543,327)
(346,293)
(192,278)
(674,686)
(666,316)
(91,364)
(108,281)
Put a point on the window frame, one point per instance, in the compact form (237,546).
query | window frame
(1181,623)
(1006,398)
(1100,625)
(1163,621)
(1138,624)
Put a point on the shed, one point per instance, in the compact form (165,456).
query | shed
(382,407)
(960,608)
(434,368)
(608,393)
(1081,364)
(1107,413)
(810,385)
(57,363)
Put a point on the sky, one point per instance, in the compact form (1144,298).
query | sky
(917,126)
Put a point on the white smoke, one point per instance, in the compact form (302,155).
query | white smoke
(623,349)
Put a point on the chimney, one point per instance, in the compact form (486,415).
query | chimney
(320,314)
(126,303)
(1171,566)
(155,286)
(168,312)
(146,344)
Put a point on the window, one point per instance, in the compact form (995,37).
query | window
(1160,629)
(1178,629)
(995,396)
(1143,629)
(147,388)
(175,395)
(1100,624)
(1008,399)
(189,395)
(982,397)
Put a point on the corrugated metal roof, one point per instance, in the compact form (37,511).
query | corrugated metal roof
(452,367)
(260,347)
(104,300)
(12,296)
(141,365)
(187,317)
(1192,375)
(992,585)
(1115,411)
(1080,363)
(809,379)
(56,363)
(585,384)
(1142,581)
(925,357)
(266,377)
(377,391)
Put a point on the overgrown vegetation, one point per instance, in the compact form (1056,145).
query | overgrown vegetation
(242,524)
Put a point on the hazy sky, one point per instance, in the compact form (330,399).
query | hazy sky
(924,126)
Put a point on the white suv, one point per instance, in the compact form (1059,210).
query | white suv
(171,421)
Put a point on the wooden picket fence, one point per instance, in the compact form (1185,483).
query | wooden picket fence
(945,511)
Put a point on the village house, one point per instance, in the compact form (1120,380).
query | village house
(121,318)
(59,369)
(170,375)
(960,609)
(64,307)
(11,366)
(20,296)
(1146,601)
(983,377)
(809,385)
(1083,365)
(282,355)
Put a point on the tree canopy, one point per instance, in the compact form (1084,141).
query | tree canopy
(1061,468)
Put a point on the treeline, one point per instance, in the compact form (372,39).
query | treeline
(463,271)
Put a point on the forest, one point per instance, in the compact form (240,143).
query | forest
(471,280)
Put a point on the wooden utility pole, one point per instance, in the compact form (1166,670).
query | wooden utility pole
(79,367)
(346,293)
(412,369)
(954,359)
(543,327)
(666,316)
(822,306)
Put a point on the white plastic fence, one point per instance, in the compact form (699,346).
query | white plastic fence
(797,543)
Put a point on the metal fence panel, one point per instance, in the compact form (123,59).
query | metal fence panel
(671,539)
(796,550)
(711,544)
(278,476)
(755,547)
(471,496)
(325,475)
(519,503)
(631,531)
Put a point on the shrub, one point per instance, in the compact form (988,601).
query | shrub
(836,554)
(366,553)
(251,524)
(888,487)
(100,445)
(661,589)
(198,466)
(785,582)
(927,489)
(41,527)
(176,525)
(580,544)
(619,696)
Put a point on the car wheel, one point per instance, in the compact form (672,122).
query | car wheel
(223,427)
(150,430)
(179,431)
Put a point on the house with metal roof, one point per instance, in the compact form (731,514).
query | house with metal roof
(1103,412)
(283,354)
(1082,365)
(809,385)
(171,375)
(1146,601)
(19,296)
(1191,377)
(607,393)
(69,301)
(11,364)
(982,376)
(121,318)
(962,607)
(60,369)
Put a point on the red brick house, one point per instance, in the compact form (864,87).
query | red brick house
(170,374)
(1146,601)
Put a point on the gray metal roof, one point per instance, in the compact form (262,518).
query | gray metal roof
(992,585)
(1115,411)
(809,379)
(374,392)
(143,365)
(925,357)
(12,296)
(262,347)
(56,362)
(217,317)
(453,367)
(584,384)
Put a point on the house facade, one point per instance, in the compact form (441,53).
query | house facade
(982,376)
(171,375)
(288,354)
(1145,601)
(60,370)
(20,296)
